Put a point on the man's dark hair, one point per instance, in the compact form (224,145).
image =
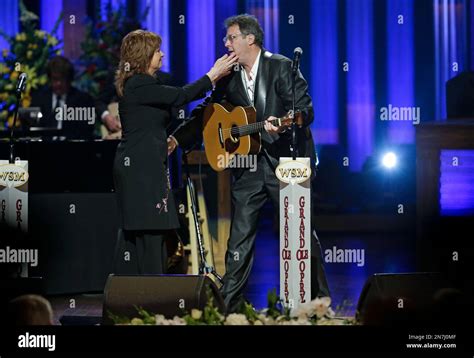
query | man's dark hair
(248,25)
(61,65)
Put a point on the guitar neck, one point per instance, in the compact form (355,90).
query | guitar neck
(253,128)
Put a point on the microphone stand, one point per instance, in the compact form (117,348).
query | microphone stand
(293,109)
(18,97)
(204,267)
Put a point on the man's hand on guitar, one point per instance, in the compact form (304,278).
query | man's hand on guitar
(270,128)
(112,123)
(171,144)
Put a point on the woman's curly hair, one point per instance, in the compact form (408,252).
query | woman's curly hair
(136,53)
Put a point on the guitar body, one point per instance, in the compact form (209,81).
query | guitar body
(220,145)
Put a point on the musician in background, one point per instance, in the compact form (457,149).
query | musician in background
(58,98)
(262,80)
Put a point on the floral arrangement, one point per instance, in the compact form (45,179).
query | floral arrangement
(29,52)
(101,47)
(316,312)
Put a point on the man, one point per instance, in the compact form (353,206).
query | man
(264,81)
(64,107)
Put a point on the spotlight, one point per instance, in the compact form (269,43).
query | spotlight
(389,160)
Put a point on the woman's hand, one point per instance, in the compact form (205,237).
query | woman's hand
(222,67)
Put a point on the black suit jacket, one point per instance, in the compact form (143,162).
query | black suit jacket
(273,97)
(43,98)
(140,164)
(109,93)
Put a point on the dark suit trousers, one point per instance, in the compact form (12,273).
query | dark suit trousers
(249,194)
(140,253)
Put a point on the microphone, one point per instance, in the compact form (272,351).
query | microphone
(21,84)
(296,59)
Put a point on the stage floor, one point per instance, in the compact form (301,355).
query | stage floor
(382,254)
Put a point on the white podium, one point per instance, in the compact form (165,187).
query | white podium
(295,230)
(14,197)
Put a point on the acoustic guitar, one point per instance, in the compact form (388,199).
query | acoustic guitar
(105,133)
(230,131)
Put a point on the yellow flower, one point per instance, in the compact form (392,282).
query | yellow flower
(40,33)
(42,80)
(9,87)
(14,75)
(53,41)
(29,54)
(196,314)
(26,101)
(10,122)
(3,114)
(3,69)
(21,36)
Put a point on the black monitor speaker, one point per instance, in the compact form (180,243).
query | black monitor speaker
(404,298)
(169,295)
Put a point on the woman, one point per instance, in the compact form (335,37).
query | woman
(146,205)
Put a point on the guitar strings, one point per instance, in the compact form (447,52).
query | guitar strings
(248,127)
(242,130)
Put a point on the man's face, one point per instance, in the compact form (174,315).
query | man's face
(235,42)
(59,84)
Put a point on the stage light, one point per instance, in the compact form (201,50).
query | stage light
(389,160)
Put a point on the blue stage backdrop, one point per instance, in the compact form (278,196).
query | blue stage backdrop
(339,59)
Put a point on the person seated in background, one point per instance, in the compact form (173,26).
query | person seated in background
(63,106)
(106,105)
(30,310)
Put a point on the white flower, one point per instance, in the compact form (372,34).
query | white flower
(268,321)
(258,323)
(236,319)
(196,314)
(330,313)
(177,321)
(330,322)
(161,320)
(321,306)
(302,322)
(304,310)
